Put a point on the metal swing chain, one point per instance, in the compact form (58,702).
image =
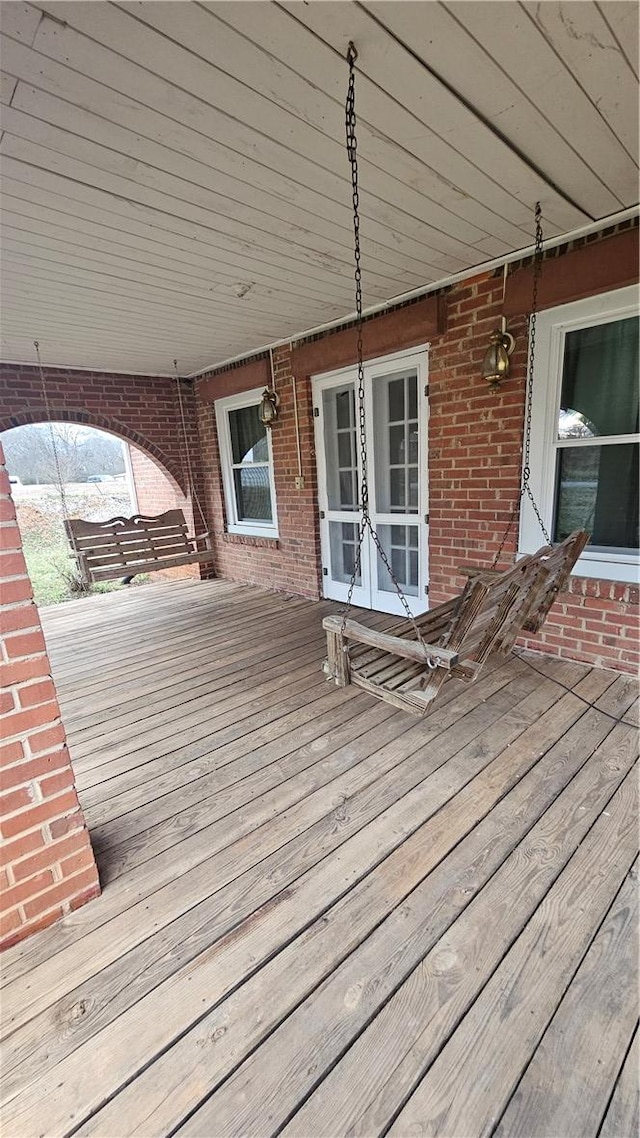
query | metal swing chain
(186,456)
(366,523)
(525,487)
(54,449)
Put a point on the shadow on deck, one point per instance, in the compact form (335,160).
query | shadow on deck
(320,915)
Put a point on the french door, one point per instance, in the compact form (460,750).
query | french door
(396,410)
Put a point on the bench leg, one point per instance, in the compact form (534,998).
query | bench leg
(128,580)
(338,659)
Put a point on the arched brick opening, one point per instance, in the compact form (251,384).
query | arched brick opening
(60,414)
(144,410)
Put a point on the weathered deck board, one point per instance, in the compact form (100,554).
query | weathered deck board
(591,1046)
(623,1113)
(314,903)
(510,1015)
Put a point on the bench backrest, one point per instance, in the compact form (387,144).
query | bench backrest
(123,542)
(558,561)
(493,611)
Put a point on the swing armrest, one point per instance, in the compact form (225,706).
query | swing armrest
(206,537)
(395,645)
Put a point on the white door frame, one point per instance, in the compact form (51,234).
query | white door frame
(368,595)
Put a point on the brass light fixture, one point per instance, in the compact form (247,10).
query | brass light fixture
(496,362)
(270,399)
(269,406)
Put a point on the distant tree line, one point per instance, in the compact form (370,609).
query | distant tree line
(82,453)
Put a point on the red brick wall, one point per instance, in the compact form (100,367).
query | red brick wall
(596,621)
(475,457)
(291,562)
(47,866)
(475,452)
(155,494)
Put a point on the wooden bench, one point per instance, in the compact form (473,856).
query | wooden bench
(457,636)
(124,547)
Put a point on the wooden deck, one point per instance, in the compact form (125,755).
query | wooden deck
(322,916)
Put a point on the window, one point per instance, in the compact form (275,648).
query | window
(247,466)
(584,431)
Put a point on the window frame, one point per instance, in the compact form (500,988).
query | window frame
(235,525)
(553,324)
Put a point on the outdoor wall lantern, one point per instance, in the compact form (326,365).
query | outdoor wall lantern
(496,362)
(269,406)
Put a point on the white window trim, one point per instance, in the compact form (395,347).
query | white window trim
(234,525)
(552,327)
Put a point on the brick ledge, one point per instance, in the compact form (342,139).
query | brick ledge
(247,539)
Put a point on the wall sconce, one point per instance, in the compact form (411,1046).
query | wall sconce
(269,406)
(496,362)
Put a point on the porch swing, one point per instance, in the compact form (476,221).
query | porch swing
(123,547)
(408,664)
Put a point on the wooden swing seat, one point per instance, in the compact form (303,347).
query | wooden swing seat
(493,609)
(124,547)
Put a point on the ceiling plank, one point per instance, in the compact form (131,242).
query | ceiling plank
(90,165)
(159,79)
(44,227)
(35,200)
(511,39)
(45,119)
(294,180)
(216,41)
(20,21)
(87,183)
(175,177)
(255,301)
(444,45)
(623,20)
(580,37)
(390,64)
(49,279)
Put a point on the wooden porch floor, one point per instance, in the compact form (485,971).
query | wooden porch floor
(322,916)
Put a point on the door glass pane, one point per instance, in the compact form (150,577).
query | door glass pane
(396,500)
(345,450)
(396,444)
(344,403)
(600,381)
(396,400)
(253,494)
(396,438)
(347,490)
(248,435)
(412,482)
(400,544)
(340,447)
(412,389)
(597,490)
(343,542)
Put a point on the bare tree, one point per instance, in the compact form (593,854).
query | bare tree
(81,451)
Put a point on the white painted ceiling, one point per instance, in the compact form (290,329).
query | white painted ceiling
(175,182)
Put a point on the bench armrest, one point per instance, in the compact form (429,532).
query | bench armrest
(83,566)
(395,645)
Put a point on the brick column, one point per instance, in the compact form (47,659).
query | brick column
(47,865)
